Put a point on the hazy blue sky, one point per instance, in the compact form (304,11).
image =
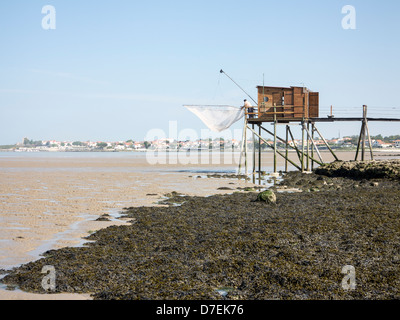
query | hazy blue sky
(113,70)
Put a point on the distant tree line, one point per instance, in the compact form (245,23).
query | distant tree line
(32,143)
(386,139)
(389,139)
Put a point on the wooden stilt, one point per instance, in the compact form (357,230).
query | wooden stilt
(259,155)
(259,150)
(369,139)
(245,149)
(359,140)
(294,144)
(290,146)
(369,142)
(242,147)
(302,146)
(254,152)
(275,169)
(308,145)
(363,144)
(326,143)
(271,146)
(287,148)
(313,143)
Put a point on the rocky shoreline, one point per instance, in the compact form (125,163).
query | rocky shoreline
(234,247)
(387,169)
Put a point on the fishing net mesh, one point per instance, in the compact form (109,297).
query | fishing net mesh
(217,118)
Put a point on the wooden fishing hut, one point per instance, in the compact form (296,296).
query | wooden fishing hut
(298,106)
(284,105)
(288,104)
(295,105)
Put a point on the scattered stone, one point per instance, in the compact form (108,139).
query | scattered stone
(249,189)
(173,194)
(267,196)
(104,217)
(228,176)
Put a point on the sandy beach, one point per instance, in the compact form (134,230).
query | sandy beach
(51,201)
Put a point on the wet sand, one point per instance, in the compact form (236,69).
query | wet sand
(52,201)
(241,247)
(49,202)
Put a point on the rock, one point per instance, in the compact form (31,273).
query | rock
(378,169)
(173,194)
(267,196)
(104,217)
(249,189)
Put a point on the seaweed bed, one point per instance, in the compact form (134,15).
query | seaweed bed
(294,249)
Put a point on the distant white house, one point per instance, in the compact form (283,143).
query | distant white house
(120,147)
(397,143)
(380,144)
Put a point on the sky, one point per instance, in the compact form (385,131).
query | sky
(115,70)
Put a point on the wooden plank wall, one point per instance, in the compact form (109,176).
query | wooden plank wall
(291,103)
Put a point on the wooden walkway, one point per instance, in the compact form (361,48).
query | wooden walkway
(314,120)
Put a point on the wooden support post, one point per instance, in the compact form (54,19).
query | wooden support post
(245,149)
(302,146)
(359,140)
(254,151)
(275,169)
(294,144)
(259,151)
(369,137)
(293,147)
(363,144)
(287,148)
(313,143)
(365,111)
(326,143)
(369,142)
(308,145)
(271,146)
(242,146)
(364,135)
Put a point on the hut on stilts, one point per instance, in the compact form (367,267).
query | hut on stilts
(293,106)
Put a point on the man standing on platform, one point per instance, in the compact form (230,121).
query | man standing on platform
(249,108)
